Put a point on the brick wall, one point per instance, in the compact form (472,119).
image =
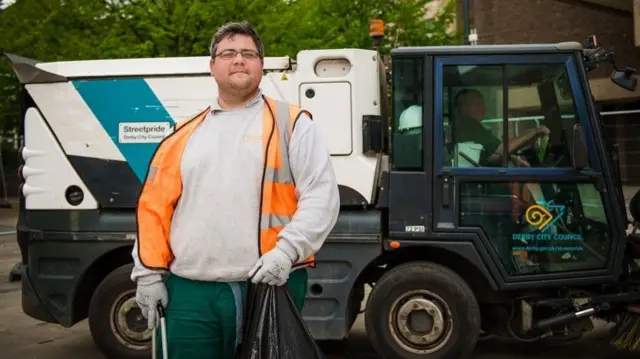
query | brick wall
(549,21)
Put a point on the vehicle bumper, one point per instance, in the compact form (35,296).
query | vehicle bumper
(55,274)
(32,305)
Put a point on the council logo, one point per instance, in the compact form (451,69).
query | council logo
(543,215)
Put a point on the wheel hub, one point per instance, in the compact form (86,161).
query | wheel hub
(420,322)
(128,323)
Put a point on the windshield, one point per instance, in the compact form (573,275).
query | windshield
(516,99)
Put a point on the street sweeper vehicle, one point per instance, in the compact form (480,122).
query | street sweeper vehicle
(479,195)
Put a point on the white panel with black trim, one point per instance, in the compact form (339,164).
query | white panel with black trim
(49,178)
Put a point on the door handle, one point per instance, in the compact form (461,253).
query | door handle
(446,192)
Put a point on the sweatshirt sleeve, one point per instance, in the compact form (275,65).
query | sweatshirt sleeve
(140,274)
(316,189)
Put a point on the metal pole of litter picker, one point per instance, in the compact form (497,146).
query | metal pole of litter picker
(163,335)
(153,344)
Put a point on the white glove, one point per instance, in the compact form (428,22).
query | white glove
(151,291)
(272,268)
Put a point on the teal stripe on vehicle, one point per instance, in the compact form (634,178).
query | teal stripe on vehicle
(116,101)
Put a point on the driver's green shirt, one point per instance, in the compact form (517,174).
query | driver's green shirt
(467,129)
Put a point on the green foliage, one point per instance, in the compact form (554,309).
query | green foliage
(56,30)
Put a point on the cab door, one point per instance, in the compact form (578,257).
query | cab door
(504,129)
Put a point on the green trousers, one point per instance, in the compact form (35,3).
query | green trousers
(201,316)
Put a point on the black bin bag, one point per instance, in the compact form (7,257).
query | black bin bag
(273,327)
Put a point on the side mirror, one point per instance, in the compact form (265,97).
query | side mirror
(580,153)
(625,79)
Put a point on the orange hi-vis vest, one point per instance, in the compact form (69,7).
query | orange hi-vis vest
(163,186)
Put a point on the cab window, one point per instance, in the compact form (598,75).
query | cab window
(407,84)
(515,115)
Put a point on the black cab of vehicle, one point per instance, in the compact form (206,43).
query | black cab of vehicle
(501,147)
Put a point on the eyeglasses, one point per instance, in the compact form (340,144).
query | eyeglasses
(230,54)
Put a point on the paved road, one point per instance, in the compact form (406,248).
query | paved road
(24,338)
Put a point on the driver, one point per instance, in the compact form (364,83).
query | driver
(471,110)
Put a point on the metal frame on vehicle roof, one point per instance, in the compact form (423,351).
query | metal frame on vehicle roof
(487,49)
(31,71)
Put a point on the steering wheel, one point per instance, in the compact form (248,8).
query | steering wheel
(536,158)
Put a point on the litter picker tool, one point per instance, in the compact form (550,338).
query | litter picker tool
(163,335)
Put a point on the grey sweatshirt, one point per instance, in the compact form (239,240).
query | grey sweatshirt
(214,228)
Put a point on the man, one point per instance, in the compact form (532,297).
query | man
(245,189)
(499,226)
(471,110)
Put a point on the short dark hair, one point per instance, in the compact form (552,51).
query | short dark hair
(464,92)
(236,28)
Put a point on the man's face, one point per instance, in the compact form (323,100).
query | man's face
(472,104)
(240,74)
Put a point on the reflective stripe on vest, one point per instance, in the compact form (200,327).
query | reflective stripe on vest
(279,200)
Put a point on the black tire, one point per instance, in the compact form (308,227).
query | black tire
(132,342)
(455,301)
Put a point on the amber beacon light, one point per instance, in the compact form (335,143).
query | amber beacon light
(376,28)
(376,32)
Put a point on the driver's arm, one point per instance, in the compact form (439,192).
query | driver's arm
(517,142)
